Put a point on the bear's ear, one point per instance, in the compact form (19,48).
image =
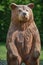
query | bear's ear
(13,5)
(31,5)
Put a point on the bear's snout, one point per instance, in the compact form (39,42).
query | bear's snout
(23,16)
(24,13)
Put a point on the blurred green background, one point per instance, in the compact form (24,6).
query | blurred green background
(5,18)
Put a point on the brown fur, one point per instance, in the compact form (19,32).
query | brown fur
(23,40)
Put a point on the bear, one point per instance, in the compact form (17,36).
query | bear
(23,39)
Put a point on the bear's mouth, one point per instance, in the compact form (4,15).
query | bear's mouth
(24,18)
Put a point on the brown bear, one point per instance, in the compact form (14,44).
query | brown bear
(23,40)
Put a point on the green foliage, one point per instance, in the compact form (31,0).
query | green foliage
(5,15)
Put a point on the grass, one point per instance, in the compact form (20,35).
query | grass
(41,56)
(3,52)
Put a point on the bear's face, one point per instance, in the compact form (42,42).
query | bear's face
(21,12)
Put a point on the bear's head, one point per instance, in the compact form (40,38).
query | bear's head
(22,13)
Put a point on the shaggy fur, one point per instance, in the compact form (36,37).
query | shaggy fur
(23,40)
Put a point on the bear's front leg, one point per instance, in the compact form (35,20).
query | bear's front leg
(13,57)
(36,54)
(32,62)
(13,60)
(37,45)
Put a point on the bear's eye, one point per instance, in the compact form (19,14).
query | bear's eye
(20,10)
(26,10)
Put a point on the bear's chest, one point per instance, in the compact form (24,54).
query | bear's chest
(22,42)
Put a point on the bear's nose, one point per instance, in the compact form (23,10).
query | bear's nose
(24,13)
